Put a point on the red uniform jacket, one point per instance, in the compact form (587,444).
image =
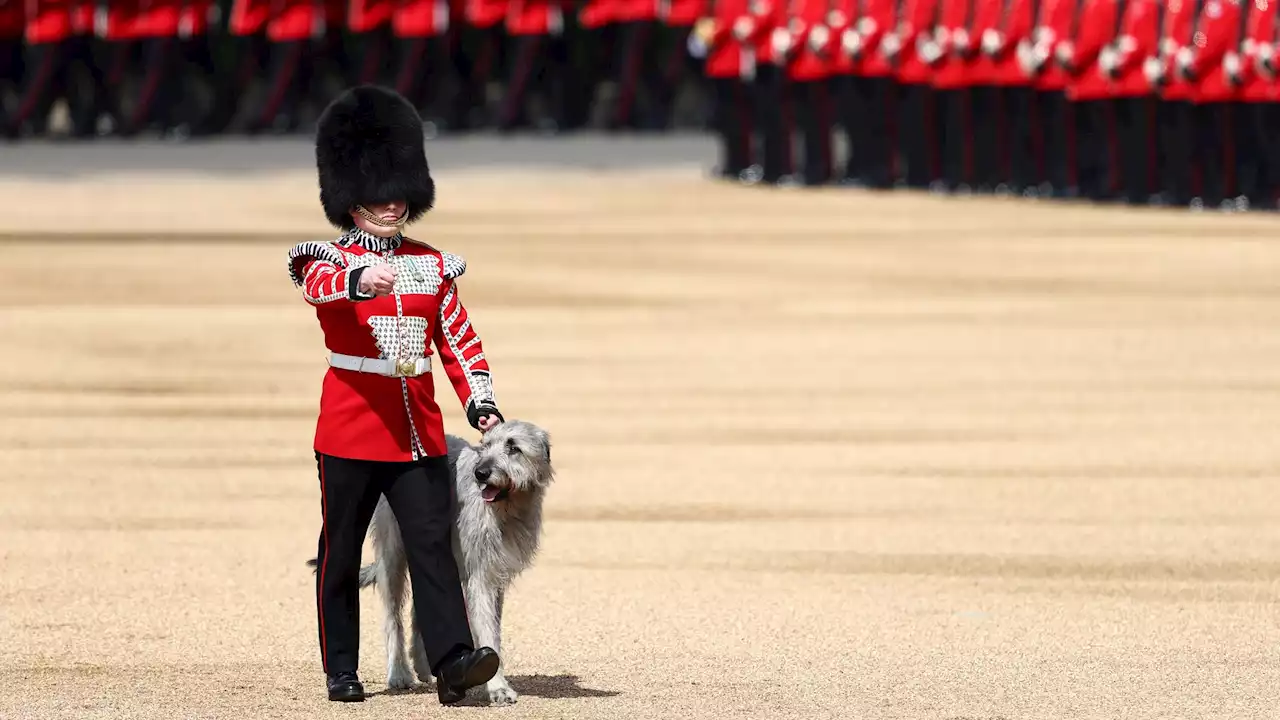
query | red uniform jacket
(420,18)
(915,35)
(249,17)
(809,41)
(683,13)
(958,45)
(535,17)
(873,24)
(596,13)
(194,17)
(1259,57)
(1122,63)
(367,416)
(1175,34)
(48,21)
(1053,34)
(727,56)
(12,19)
(366,15)
(483,13)
(1098,24)
(156,18)
(997,34)
(1220,27)
(635,10)
(764,17)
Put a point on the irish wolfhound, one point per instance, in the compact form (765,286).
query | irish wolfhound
(497,525)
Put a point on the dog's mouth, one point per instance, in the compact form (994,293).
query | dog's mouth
(493,493)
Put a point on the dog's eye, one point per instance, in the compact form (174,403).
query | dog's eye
(512,448)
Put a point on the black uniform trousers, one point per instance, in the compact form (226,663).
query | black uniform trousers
(732,119)
(1135,126)
(420,495)
(815,118)
(1260,158)
(1176,151)
(1210,137)
(1093,149)
(954,106)
(773,121)
(865,110)
(918,140)
(638,71)
(1056,118)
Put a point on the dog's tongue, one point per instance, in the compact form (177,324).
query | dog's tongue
(490,492)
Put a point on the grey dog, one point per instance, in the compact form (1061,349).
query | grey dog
(497,525)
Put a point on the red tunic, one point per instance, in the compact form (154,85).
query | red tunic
(1139,41)
(683,13)
(367,416)
(420,18)
(1259,57)
(1218,33)
(1098,24)
(874,23)
(249,17)
(810,41)
(998,62)
(1179,23)
(1048,42)
(957,44)
(483,13)
(157,18)
(48,21)
(916,34)
(535,17)
(195,17)
(727,56)
(368,15)
(12,19)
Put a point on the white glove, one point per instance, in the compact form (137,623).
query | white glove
(696,46)
(1108,60)
(1127,43)
(866,25)
(1231,65)
(960,40)
(1065,53)
(1153,69)
(890,45)
(1026,59)
(819,36)
(928,50)
(781,41)
(742,27)
(1168,46)
(1266,59)
(1184,58)
(851,42)
(991,41)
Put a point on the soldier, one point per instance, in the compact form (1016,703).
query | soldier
(47,34)
(1088,89)
(152,28)
(865,94)
(383,301)
(1178,152)
(420,28)
(533,24)
(804,46)
(770,96)
(637,71)
(477,55)
(1202,64)
(1039,56)
(1008,151)
(728,67)
(1120,65)
(952,81)
(913,51)
(1259,93)
(678,66)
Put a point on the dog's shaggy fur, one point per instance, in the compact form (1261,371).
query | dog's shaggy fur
(497,526)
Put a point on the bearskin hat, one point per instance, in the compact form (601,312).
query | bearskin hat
(370,150)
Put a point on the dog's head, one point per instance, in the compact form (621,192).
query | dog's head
(513,459)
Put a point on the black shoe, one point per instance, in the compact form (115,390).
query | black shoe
(464,670)
(345,687)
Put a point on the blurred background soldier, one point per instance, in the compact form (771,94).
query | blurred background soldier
(914,52)
(867,95)
(804,47)
(1052,39)
(774,114)
(1120,63)
(1012,162)
(728,68)
(144,37)
(12,23)
(951,81)
(421,30)
(678,68)
(637,67)
(1089,90)
(1259,93)
(1177,149)
(59,62)
(535,65)
(479,52)
(1218,29)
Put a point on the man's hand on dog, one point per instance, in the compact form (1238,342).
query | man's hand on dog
(489,422)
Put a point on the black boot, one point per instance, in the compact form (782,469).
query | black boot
(462,670)
(345,687)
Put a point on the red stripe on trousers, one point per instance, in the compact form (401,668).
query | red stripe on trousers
(324,516)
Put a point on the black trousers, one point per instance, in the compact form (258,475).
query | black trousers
(420,494)
(731,117)
(954,115)
(815,116)
(865,109)
(1135,130)
(773,122)
(638,72)
(1176,150)
(986,103)
(1019,109)
(477,56)
(1210,136)
(1093,148)
(1055,122)
(919,134)
(1259,157)
(422,65)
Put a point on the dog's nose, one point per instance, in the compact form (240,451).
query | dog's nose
(483,471)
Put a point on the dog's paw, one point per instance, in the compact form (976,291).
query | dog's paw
(400,678)
(501,695)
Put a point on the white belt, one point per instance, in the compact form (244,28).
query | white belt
(378,366)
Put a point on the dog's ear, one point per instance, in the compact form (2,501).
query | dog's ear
(546,444)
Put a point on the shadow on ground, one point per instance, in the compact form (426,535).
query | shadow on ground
(550,687)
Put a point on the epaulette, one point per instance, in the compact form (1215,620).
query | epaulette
(305,252)
(454,265)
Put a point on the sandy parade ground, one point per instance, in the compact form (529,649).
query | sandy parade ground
(821,453)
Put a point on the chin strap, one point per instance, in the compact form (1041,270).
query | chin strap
(398,223)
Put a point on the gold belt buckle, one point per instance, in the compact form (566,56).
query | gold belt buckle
(405,368)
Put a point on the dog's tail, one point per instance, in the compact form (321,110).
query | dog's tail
(368,574)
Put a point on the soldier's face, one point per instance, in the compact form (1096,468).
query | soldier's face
(386,213)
